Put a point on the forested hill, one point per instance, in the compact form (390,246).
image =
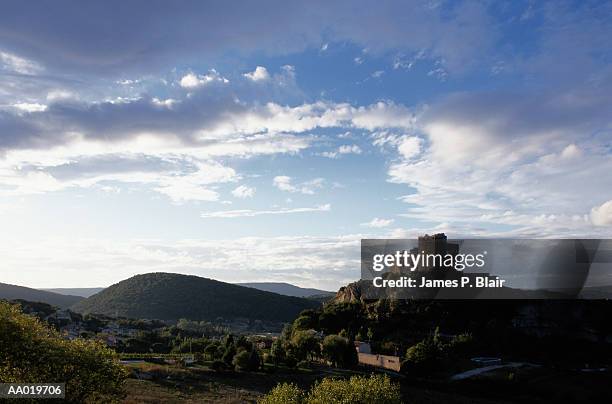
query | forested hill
(12,292)
(168,296)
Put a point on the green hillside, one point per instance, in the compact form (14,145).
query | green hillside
(12,292)
(168,296)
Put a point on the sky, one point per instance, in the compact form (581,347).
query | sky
(261,141)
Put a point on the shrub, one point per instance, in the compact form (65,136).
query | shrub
(241,360)
(284,393)
(376,389)
(31,352)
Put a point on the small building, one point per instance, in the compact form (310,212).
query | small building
(380,361)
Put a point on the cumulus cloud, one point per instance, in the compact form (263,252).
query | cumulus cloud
(251,213)
(529,164)
(192,81)
(198,127)
(602,215)
(259,74)
(409,147)
(243,192)
(285,183)
(378,223)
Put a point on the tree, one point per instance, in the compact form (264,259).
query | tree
(277,351)
(31,352)
(306,344)
(339,351)
(228,356)
(241,360)
(254,360)
(307,320)
(211,350)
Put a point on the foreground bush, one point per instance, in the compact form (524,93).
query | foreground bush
(31,352)
(376,389)
(284,393)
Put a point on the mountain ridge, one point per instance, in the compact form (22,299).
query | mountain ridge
(13,292)
(169,296)
(287,289)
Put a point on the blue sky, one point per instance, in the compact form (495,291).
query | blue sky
(262,141)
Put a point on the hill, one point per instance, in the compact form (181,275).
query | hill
(166,296)
(83,292)
(286,289)
(12,292)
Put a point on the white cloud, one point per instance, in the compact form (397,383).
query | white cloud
(251,213)
(323,262)
(344,149)
(193,186)
(30,107)
(378,223)
(284,183)
(18,64)
(192,81)
(349,149)
(243,192)
(409,147)
(509,163)
(259,74)
(602,215)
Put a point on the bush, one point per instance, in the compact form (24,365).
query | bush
(241,360)
(376,389)
(31,352)
(284,393)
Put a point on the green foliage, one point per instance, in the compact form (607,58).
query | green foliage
(212,350)
(277,352)
(422,354)
(339,351)
(284,393)
(228,355)
(306,344)
(376,389)
(241,360)
(339,316)
(307,320)
(31,352)
(154,296)
(429,353)
(255,361)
